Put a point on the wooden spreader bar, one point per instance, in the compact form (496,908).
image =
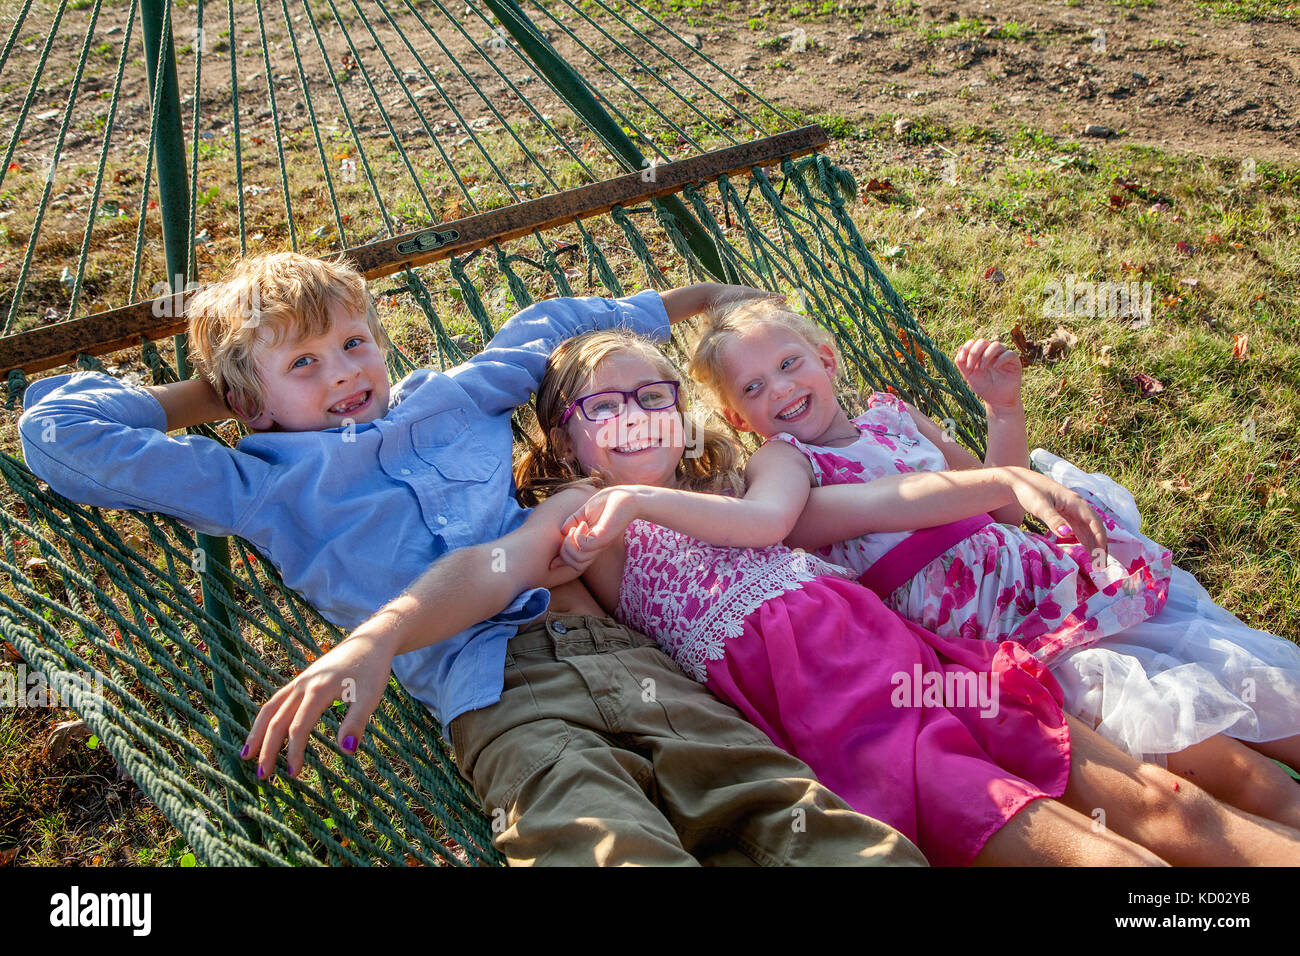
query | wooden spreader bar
(53,345)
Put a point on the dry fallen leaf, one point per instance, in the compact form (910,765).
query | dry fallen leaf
(1104,355)
(1147,385)
(994,274)
(1178,484)
(1059,344)
(1239,346)
(1065,425)
(62,735)
(6,856)
(1029,352)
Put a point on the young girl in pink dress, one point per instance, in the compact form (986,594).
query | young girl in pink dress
(958,743)
(1160,671)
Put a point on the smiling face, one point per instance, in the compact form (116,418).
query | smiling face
(635,448)
(774,380)
(324,381)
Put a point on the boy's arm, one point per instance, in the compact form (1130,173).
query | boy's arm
(188,403)
(101,442)
(508,371)
(926,499)
(459,590)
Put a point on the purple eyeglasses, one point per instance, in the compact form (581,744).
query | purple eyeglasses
(602,406)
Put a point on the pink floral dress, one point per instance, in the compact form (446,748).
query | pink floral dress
(999,583)
(943,739)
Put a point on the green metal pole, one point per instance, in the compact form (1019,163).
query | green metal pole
(174,205)
(578,95)
(169,142)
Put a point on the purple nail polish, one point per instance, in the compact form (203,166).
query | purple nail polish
(349,743)
(261,774)
(243,754)
(1063,531)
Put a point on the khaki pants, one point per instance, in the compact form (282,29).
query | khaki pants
(601,751)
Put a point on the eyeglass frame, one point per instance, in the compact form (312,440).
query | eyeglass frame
(632,395)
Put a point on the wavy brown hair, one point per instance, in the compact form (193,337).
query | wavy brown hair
(711,462)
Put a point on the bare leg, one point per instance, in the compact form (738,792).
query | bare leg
(1048,833)
(1286,750)
(1172,817)
(1236,774)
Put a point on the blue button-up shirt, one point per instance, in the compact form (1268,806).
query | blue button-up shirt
(349,516)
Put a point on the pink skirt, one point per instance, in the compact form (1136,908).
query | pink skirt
(943,739)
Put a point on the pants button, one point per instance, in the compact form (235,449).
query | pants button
(559,628)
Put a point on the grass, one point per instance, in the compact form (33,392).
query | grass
(1251,10)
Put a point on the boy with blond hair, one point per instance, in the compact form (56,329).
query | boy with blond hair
(352,490)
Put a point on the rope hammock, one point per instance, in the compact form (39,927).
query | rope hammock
(477,160)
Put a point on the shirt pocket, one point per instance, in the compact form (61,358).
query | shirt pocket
(446,442)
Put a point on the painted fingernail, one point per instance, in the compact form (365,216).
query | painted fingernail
(243,754)
(261,774)
(1063,531)
(349,743)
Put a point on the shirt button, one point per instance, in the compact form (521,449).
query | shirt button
(442,519)
(406,471)
(559,628)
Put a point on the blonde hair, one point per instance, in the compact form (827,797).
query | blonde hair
(542,471)
(716,327)
(289,293)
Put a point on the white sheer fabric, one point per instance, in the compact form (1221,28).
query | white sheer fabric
(1191,671)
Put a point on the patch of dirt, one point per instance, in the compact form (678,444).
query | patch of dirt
(1166,75)
(56,809)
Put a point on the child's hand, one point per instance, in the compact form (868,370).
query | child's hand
(356,671)
(601,521)
(1062,510)
(573,555)
(992,371)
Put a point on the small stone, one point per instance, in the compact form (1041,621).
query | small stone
(835,59)
(1139,79)
(695,41)
(111,30)
(1152,99)
(902,125)
(1099,131)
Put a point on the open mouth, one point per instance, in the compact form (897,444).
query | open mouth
(795,410)
(353,403)
(634,447)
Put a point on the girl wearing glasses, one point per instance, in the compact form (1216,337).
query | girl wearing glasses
(961,744)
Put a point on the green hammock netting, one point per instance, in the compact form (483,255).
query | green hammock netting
(371,119)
